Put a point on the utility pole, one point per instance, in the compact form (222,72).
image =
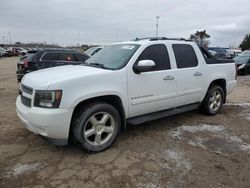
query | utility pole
(79,39)
(9,38)
(52,41)
(157,24)
(3,39)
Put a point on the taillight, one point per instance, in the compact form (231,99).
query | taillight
(236,71)
(25,63)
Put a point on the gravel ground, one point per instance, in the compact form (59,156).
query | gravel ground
(186,150)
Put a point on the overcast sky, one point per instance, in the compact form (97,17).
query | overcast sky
(97,21)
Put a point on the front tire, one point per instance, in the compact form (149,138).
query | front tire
(213,100)
(96,127)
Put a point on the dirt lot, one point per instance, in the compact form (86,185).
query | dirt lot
(187,150)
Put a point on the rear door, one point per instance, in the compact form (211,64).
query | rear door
(189,74)
(154,90)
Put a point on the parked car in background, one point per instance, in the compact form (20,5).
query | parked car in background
(234,52)
(48,58)
(22,51)
(246,52)
(212,52)
(222,54)
(7,52)
(92,51)
(2,51)
(243,64)
(28,51)
(128,82)
(16,51)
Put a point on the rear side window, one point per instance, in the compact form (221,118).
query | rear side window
(50,56)
(185,56)
(157,53)
(30,57)
(66,57)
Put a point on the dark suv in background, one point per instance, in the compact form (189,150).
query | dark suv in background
(48,58)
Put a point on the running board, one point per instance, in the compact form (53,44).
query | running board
(162,114)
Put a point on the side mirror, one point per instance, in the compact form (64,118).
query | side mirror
(143,66)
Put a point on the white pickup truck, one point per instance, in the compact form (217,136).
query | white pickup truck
(127,82)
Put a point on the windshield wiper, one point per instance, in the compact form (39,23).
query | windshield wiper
(96,65)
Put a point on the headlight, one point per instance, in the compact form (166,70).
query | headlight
(242,66)
(48,99)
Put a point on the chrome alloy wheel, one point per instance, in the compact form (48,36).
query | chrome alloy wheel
(215,100)
(99,128)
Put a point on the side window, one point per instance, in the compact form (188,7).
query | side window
(66,57)
(49,56)
(185,56)
(81,57)
(157,53)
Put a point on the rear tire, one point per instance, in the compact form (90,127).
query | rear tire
(213,100)
(96,127)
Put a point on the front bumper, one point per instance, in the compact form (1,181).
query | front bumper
(52,124)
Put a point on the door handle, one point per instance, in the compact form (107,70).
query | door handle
(168,77)
(197,74)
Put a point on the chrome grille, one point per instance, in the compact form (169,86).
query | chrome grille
(27,89)
(26,95)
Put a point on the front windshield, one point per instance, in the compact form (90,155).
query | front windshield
(89,50)
(242,59)
(114,56)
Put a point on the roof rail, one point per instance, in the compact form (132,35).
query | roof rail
(160,38)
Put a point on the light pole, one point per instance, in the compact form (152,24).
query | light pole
(157,20)
(79,39)
(3,39)
(9,38)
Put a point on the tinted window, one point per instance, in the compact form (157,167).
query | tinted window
(66,57)
(50,56)
(157,53)
(185,56)
(81,57)
(30,57)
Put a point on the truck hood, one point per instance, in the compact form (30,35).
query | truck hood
(42,79)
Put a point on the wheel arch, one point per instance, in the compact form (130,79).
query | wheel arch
(222,83)
(113,100)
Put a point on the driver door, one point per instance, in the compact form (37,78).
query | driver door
(153,90)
